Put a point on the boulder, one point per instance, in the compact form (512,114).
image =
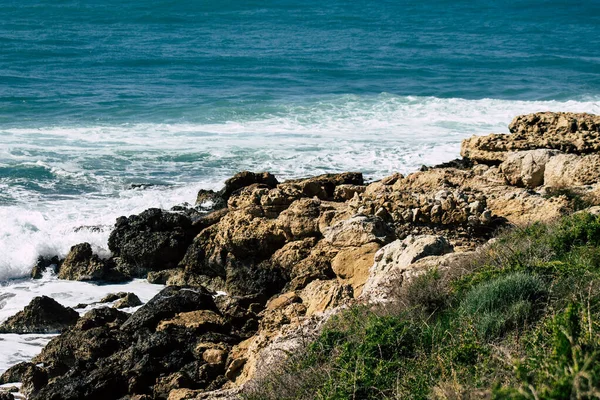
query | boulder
(42,315)
(393,259)
(81,264)
(323,186)
(122,300)
(357,231)
(568,170)
(526,168)
(43,263)
(32,377)
(351,265)
(171,301)
(247,178)
(152,240)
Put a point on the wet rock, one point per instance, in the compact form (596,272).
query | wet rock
(43,263)
(42,315)
(6,395)
(152,240)
(32,377)
(122,300)
(81,264)
(166,304)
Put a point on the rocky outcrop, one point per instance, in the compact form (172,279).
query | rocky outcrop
(526,168)
(392,260)
(81,264)
(567,132)
(42,315)
(290,255)
(152,240)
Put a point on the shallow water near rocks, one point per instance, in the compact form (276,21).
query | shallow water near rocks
(16,294)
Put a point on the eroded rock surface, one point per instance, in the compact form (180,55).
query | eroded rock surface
(42,315)
(290,255)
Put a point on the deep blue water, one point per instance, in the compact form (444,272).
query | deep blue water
(65,62)
(97,95)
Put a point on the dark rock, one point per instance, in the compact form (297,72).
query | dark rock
(210,200)
(6,396)
(42,315)
(130,300)
(81,264)
(246,178)
(43,263)
(31,376)
(122,300)
(152,240)
(166,304)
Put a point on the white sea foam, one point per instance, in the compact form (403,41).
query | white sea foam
(88,171)
(15,295)
(377,135)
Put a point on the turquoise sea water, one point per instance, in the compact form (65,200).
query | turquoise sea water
(98,95)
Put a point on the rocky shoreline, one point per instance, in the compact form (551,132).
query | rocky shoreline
(254,270)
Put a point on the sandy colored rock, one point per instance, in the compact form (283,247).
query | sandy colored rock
(352,265)
(567,132)
(398,256)
(199,320)
(526,168)
(566,170)
(357,231)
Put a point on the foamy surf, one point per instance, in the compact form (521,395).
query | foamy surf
(17,294)
(60,186)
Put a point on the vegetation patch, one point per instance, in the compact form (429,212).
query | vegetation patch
(520,321)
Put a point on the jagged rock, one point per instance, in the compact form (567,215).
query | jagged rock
(166,304)
(30,375)
(526,168)
(247,178)
(122,300)
(81,264)
(301,219)
(320,296)
(42,315)
(397,256)
(567,132)
(6,395)
(357,231)
(569,170)
(43,263)
(323,186)
(152,240)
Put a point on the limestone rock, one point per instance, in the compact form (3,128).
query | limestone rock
(42,315)
(526,168)
(247,178)
(568,170)
(567,132)
(398,256)
(30,375)
(352,264)
(323,186)
(357,231)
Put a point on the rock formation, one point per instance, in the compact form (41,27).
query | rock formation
(290,255)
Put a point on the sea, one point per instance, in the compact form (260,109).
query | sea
(110,107)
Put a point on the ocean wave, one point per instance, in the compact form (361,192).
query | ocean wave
(56,179)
